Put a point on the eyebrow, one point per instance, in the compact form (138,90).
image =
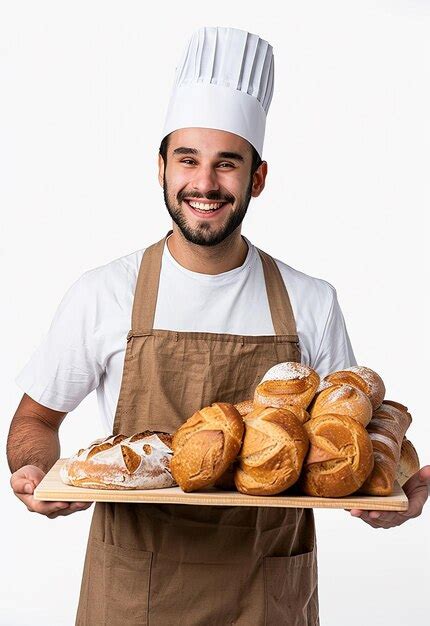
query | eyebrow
(233,156)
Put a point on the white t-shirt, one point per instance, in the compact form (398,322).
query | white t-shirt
(85,346)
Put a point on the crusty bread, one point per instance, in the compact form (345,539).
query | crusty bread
(364,378)
(343,400)
(271,457)
(141,461)
(244,407)
(340,456)
(386,429)
(205,445)
(409,462)
(287,384)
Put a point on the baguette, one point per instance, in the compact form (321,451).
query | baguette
(386,429)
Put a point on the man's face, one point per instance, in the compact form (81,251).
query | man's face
(207,183)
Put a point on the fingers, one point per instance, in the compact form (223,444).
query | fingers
(26,479)
(73,507)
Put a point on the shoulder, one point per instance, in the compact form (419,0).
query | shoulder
(305,288)
(118,275)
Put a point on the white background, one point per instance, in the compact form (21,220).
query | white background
(84,89)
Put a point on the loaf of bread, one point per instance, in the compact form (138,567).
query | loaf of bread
(340,456)
(205,445)
(409,463)
(364,379)
(274,447)
(386,429)
(287,384)
(141,461)
(342,400)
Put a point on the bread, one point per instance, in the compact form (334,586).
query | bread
(343,400)
(386,429)
(409,462)
(205,445)
(364,379)
(244,407)
(274,447)
(287,384)
(141,461)
(340,456)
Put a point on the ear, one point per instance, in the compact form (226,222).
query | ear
(259,179)
(160,170)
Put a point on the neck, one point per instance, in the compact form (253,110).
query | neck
(223,257)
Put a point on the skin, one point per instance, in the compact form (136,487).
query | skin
(33,443)
(199,244)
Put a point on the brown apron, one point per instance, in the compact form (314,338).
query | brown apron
(168,565)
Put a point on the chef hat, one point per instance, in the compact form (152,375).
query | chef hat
(224,81)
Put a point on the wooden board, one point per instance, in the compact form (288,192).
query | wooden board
(52,488)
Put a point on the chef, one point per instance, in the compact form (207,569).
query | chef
(196,317)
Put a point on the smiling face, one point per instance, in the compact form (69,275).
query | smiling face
(207,182)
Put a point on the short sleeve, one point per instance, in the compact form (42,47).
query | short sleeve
(335,351)
(64,369)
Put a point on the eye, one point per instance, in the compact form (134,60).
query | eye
(188,161)
(226,165)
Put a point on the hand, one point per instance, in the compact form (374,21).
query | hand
(417,492)
(25,480)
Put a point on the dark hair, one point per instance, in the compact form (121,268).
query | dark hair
(256,160)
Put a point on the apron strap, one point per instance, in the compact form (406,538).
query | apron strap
(277,295)
(148,279)
(145,299)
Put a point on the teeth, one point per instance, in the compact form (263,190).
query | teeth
(205,207)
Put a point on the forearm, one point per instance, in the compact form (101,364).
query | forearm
(32,442)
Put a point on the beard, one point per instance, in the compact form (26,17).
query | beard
(203,235)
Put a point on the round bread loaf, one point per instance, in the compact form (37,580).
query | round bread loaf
(342,400)
(205,445)
(364,378)
(287,384)
(141,461)
(409,462)
(274,447)
(340,456)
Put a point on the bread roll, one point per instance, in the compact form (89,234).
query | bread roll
(141,461)
(386,429)
(244,407)
(343,400)
(409,463)
(205,445)
(287,384)
(340,456)
(364,379)
(271,457)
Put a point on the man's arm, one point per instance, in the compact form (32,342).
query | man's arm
(33,436)
(33,446)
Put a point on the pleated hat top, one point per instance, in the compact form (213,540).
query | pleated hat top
(224,80)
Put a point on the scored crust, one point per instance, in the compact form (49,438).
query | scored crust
(364,378)
(287,384)
(274,447)
(340,457)
(141,461)
(205,445)
(342,400)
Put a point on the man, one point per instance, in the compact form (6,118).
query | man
(210,313)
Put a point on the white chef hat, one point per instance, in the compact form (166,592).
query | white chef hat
(224,81)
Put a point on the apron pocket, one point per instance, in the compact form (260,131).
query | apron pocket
(121,581)
(291,590)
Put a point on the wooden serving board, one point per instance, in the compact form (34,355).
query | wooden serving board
(52,488)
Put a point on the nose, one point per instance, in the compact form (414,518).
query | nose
(205,180)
